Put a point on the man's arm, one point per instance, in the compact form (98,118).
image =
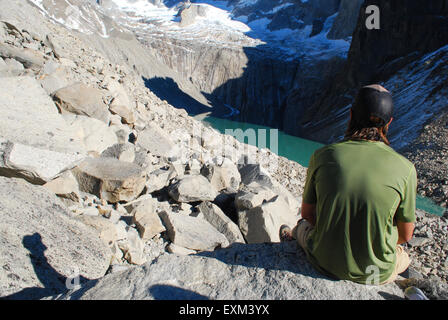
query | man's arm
(405,231)
(405,215)
(309,213)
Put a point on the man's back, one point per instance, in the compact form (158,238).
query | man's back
(358,188)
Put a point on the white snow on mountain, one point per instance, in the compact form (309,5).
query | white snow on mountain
(216,24)
(219,18)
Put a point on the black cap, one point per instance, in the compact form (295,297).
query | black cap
(373,101)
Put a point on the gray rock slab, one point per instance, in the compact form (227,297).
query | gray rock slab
(82,100)
(31,118)
(240,272)
(41,244)
(33,164)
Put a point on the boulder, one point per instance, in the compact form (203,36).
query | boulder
(254,174)
(121,151)
(65,186)
(192,232)
(262,223)
(147,220)
(192,188)
(240,272)
(159,179)
(224,177)
(252,196)
(110,179)
(33,164)
(30,117)
(214,215)
(55,80)
(95,135)
(82,100)
(156,141)
(133,247)
(105,228)
(41,244)
(28,57)
(121,104)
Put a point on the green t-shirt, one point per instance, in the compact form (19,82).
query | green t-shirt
(359,188)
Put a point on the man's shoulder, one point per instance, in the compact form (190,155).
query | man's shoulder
(406,162)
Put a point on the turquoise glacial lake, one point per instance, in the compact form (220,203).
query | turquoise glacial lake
(297,149)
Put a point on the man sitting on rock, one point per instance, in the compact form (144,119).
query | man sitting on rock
(359,199)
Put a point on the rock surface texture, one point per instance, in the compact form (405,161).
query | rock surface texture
(247,272)
(41,244)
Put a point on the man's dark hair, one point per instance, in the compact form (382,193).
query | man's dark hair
(358,131)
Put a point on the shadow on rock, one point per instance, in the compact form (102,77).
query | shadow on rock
(286,256)
(52,281)
(167,292)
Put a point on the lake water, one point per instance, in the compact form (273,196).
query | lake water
(299,150)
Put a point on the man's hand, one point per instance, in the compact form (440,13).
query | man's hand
(405,231)
(309,213)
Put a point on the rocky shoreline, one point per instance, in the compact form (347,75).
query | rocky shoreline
(429,153)
(115,183)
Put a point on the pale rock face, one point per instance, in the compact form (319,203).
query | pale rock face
(34,165)
(82,100)
(95,135)
(192,232)
(30,117)
(34,223)
(192,188)
(240,272)
(214,215)
(147,220)
(110,179)
(262,223)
